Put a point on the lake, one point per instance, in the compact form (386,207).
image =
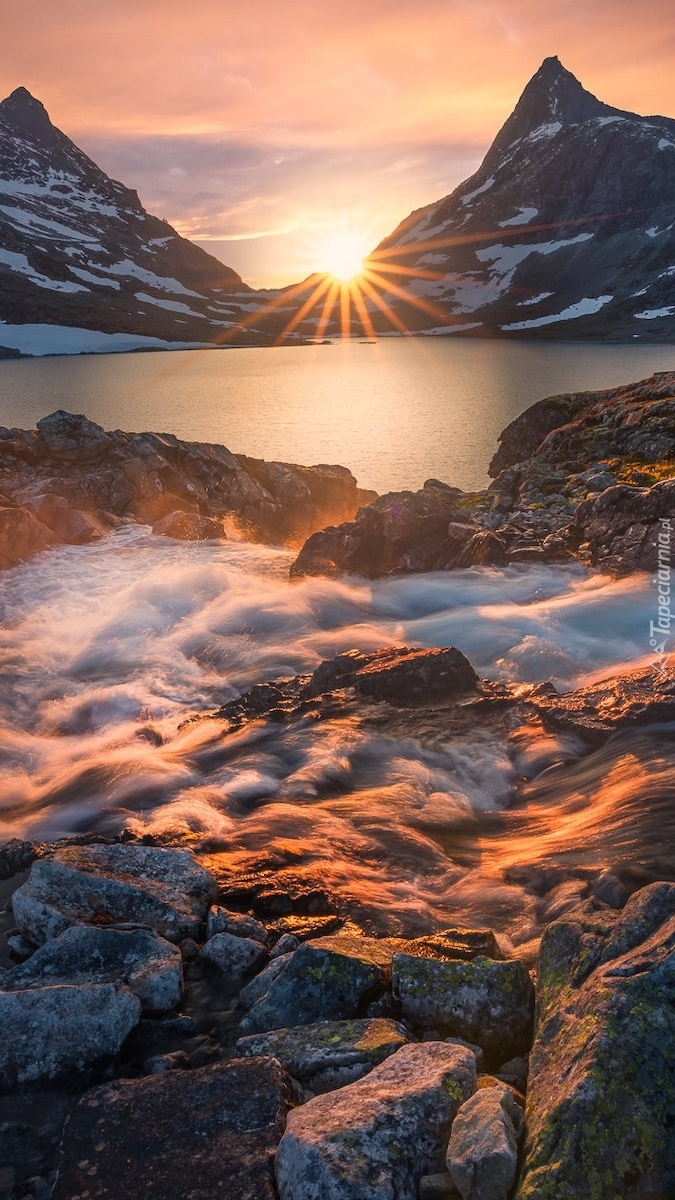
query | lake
(396,411)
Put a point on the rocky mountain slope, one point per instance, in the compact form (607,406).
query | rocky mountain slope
(81,256)
(567,229)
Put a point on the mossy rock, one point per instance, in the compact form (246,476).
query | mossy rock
(601,1098)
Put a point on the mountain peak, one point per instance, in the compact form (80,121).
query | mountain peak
(553,96)
(26,115)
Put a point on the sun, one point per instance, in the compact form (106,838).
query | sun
(340,250)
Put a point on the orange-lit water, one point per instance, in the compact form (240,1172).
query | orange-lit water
(414,821)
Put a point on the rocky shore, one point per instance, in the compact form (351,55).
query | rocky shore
(177,1030)
(587,475)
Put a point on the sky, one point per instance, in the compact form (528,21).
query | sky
(262,130)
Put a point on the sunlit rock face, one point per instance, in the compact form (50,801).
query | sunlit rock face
(78,249)
(565,230)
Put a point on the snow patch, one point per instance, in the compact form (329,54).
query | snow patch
(544,131)
(19,263)
(582,308)
(161,282)
(609,120)
(171,305)
(664,144)
(90,278)
(651,314)
(478,191)
(534,299)
(505,259)
(523,217)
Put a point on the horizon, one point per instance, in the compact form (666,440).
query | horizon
(261,153)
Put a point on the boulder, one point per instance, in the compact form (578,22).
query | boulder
(330,1054)
(601,1098)
(100,884)
(21,535)
(483,1001)
(482,1156)
(397,674)
(377,1137)
(178,1134)
(326,979)
(262,982)
(621,526)
(149,965)
(61,1030)
(189,527)
(235,957)
(223,920)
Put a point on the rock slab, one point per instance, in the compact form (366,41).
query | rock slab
(58,1031)
(182,1135)
(330,1054)
(482,1156)
(99,884)
(379,1136)
(601,1099)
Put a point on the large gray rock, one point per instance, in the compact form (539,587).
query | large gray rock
(166,889)
(484,1001)
(330,1054)
(601,1097)
(326,979)
(180,1135)
(235,957)
(377,1137)
(149,965)
(261,983)
(56,1031)
(482,1155)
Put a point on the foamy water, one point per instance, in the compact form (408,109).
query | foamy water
(107,649)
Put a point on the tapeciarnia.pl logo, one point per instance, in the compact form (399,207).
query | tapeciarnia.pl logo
(659,630)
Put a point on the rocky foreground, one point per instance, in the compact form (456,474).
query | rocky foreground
(172,1031)
(163,1045)
(584,476)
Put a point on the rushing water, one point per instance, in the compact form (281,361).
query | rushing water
(396,411)
(109,648)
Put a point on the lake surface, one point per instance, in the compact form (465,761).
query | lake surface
(396,411)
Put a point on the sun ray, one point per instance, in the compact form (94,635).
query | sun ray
(384,308)
(360,306)
(329,305)
(426,306)
(345,311)
(312,300)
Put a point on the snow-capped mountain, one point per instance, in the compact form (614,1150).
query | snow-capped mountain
(566,230)
(84,266)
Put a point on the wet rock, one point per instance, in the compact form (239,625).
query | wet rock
(235,957)
(397,674)
(149,965)
(159,1064)
(601,1098)
(199,1134)
(165,889)
(223,920)
(330,1054)
(399,532)
(483,1001)
(62,1030)
(21,535)
(437,1187)
(482,1156)
(380,1135)
(189,527)
(327,979)
(639,698)
(16,856)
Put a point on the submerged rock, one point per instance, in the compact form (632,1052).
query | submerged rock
(178,1134)
(482,1156)
(99,884)
(487,1002)
(331,1054)
(601,1098)
(189,527)
(377,1137)
(62,1030)
(149,965)
(223,920)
